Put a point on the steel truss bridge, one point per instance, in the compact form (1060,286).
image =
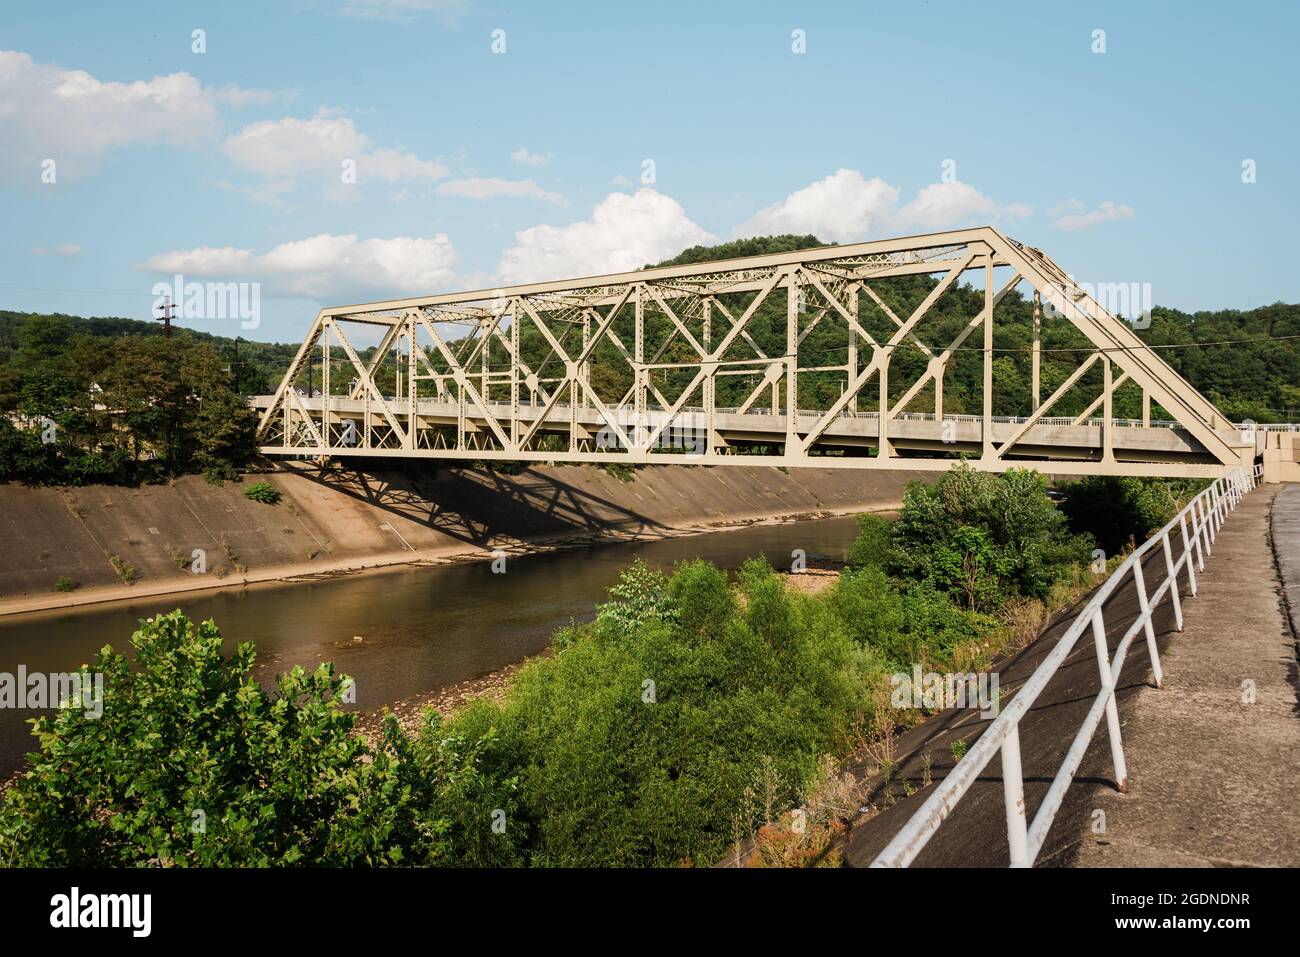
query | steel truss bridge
(628,368)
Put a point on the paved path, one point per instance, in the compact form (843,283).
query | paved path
(1213,780)
(1286,547)
(1217,752)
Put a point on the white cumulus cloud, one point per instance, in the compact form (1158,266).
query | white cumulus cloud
(625,232)
(848,207)
(324,267)
(283,151)
(945,205)
(1104,213)
(71,117)
(842,207)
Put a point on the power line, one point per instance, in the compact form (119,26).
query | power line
(1168,345)
(1023,349)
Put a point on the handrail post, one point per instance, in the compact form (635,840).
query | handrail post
(1194,517)
(1173,580)
(1189,548)
(1112,710)
(1145,604)
(1196,528)
(1013,789)
(1206,542)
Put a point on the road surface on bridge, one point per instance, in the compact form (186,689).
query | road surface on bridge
(1212,772)
(1078,437)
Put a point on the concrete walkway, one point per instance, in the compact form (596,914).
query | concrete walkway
(1215,756)
(1213,780)
(1286,547)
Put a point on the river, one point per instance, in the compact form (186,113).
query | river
(421,628)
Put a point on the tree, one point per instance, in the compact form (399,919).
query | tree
(980,536)
(187,761)
(874,544)
(125,409)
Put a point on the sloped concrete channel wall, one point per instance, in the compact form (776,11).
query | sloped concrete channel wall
(337,521)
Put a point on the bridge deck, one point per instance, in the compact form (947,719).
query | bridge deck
(919,432)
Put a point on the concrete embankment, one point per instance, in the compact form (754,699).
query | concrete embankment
(336,522)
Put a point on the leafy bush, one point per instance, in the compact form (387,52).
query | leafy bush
(1118,511)
(903,622)
(192,763)
(221,472)
(64,583)
(620,470)
(636,747)
(124,569)
(874,544)
(641,596)
(980,537)
(263,492)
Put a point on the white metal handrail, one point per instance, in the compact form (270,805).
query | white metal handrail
(1205,515)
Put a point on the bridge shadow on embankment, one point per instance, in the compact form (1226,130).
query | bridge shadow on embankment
(480,506)
(974,833)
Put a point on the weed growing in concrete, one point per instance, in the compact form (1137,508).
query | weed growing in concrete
(125,570)
(263,492)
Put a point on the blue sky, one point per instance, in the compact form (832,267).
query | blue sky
(476,168)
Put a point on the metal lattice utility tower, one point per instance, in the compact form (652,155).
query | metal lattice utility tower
(618,368)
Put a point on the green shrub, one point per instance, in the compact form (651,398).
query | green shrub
(903,622)
(124,569)
(193,763)
(190,763)
(874,544)
(263,492)
(981,537)
(641,596)
(637,747)
(870,605)
(1117,511)
(219,473)
(64,583)
(622,471)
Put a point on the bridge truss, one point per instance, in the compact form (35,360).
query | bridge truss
(677,365)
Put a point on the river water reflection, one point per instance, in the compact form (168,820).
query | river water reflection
(421,628)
